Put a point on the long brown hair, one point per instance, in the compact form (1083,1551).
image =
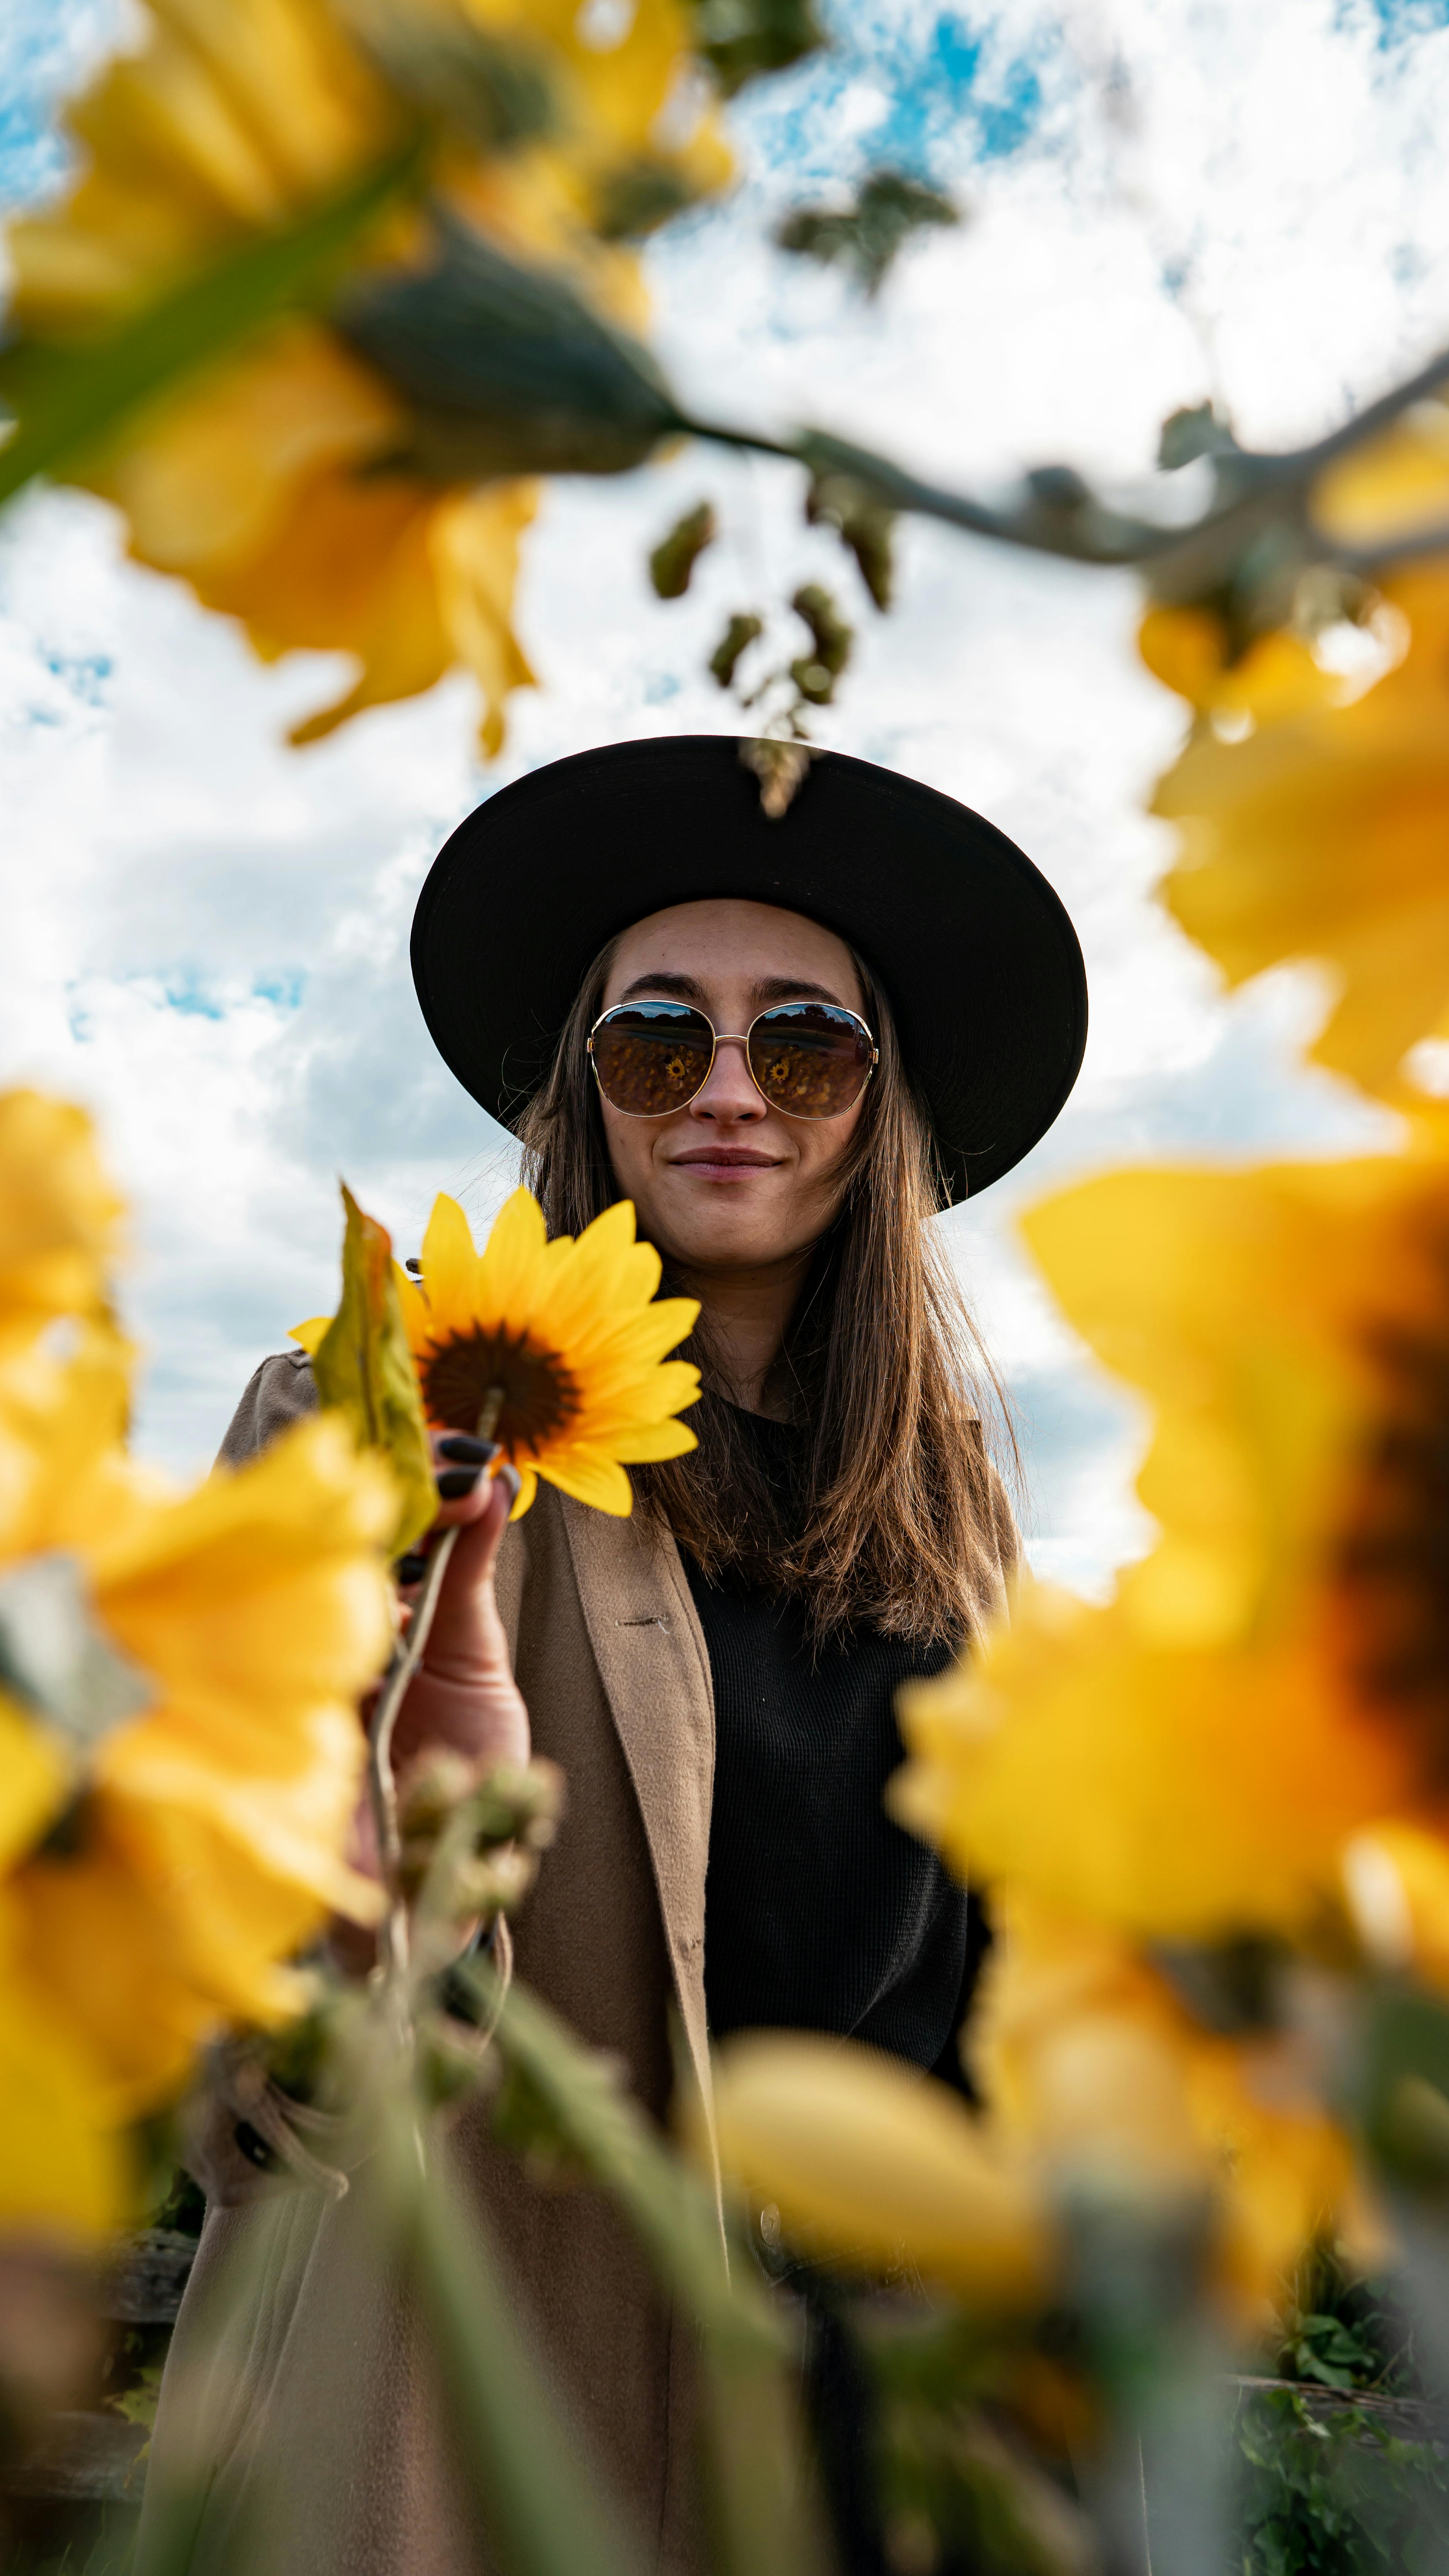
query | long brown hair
(901,1522)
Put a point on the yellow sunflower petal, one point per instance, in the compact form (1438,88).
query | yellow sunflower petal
(59,1216)
(1394,486)
(1188,650)
(474,547)
(61,1424)
(35,1778)
(63,2168)
(513,1265)
(449,1267)
(653,1440)
(312,1334)
(589,1479)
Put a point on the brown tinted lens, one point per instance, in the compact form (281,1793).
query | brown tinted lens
(810,1060)
(651,1057)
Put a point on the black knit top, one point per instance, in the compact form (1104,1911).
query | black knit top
(820,1913)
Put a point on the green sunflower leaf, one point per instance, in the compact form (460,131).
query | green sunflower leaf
(363,1368)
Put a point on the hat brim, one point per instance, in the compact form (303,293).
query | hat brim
(970,944)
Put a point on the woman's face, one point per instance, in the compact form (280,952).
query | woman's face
(728,1182)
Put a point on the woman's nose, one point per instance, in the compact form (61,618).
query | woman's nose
(730,1091)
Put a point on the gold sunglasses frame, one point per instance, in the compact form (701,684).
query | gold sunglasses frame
(730,1037)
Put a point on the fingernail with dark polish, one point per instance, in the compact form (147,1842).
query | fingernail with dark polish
(455,1482)
(465,1451)
(411,1568)
(510,1477)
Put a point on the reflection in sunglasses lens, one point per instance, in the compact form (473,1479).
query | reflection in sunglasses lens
(809,1061)
(651,1057)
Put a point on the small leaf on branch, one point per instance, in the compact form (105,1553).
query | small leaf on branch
(674,558)
(738,636)
(1199,429)
(868,234)
(816,673)
(741,38)
(363,1368)
(863,524)
(636,200)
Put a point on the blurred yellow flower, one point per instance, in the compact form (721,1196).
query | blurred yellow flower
(1393,487)
(282,483)
(180,1755)
(1277,676)
(570,1332)
(1095,2070)
(1193,1757)
(1313,820)
(63,2168)
(59,1216)
(874,2166)
(1096,2078)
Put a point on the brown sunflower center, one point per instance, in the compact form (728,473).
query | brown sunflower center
(1393,1558)
(540,1397)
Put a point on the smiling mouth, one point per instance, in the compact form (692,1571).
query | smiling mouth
(724,1158)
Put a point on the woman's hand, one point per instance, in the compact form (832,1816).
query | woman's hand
(463,1694)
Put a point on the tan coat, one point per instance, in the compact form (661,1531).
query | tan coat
(320,2388)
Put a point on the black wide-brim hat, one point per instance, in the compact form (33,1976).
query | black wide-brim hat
(972,948)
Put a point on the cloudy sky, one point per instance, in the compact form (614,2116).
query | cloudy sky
(206,933)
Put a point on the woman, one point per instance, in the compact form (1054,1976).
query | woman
(785,1041)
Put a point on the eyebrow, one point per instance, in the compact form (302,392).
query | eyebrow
(770,988)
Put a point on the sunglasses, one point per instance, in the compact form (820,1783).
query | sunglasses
(808,1059)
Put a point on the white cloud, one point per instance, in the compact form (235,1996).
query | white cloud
(207,933)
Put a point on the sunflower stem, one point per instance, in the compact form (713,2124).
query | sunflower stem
(381,1780)
(382,1785)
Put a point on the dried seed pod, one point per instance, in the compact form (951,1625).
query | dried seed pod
(674,558)
(866,526)
(779,767)
(829,632)
(737,637)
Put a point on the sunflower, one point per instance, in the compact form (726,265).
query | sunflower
(1095,2068)
(1198,1756)
(276,483)
(180,1756)
(1096,2077)
(1313,819)
(560,1345)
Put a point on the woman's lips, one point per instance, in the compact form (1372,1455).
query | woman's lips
(723,1164)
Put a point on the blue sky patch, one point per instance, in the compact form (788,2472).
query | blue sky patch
(284,987)
(953,95)
(185,992)
(46,47)
(1399,19)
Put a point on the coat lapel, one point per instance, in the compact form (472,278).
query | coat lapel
(654,1666)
